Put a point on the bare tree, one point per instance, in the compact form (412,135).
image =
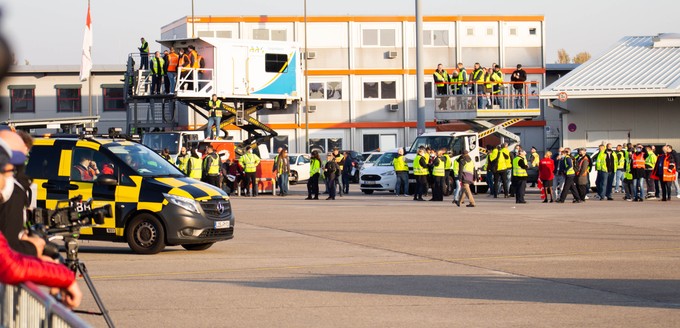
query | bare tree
(581,57)
(563,57)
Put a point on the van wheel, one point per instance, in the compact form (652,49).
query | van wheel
(367,191)
(197,247)
(145,234)
(293,177)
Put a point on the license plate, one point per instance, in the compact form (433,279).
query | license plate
(370,182)
(222,224)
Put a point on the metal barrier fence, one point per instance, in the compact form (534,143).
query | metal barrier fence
(27,306)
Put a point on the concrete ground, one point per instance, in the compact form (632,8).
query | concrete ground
(385,261)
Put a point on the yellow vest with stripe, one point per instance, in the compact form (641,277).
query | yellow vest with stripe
(516,170)
(196,170)
(214,168)
(448,164)
(650,161)
(439,170)
(249,162)
(469,167)
(399,164)
(417,169)
(456,167)
(182,162)
(497,77)
(215,108)
(503,162)
(570,171)
(314,166)
(440,77)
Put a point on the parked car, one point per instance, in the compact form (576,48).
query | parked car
(359,160)
(380,176)
(371,158)
(299,167)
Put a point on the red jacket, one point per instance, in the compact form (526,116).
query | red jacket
(546,167)
(16,268)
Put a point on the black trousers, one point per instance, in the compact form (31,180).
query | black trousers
(520,189)
(331,187)
(582,192)
(156,82)
(250,178)
(313,186)
(421,181)
(666,190)
(498,177)
(438,189)
(213,180)
(569,186)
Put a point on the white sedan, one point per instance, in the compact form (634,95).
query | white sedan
(380,176)
(299,167)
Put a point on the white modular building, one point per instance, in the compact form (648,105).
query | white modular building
(361,77)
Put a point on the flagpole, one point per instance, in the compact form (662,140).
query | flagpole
(89,80)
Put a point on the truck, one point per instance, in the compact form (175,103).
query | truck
(172,140)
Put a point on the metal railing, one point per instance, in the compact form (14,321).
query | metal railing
(195,82)
(472,96)
(27,306)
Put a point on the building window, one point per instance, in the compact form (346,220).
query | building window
(513,31)
(380,90)
(206,34)
(279,35)
(280,142)
(113,99)
(22,99)
(532,31)
(324,145)
(325,90)
(428,90)
(275,63)
(371,142)
(382,37)
(68,100)
(261,34)
(436,38)
(489,31)
(223,34)
(470,31)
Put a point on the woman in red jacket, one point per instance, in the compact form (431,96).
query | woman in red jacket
(546,167)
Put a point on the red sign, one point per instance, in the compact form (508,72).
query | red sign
(571,127)
(562,96)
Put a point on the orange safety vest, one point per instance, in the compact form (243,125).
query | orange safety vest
(173,60)
(668,174)
(638,161)
(184,60)
(194,59)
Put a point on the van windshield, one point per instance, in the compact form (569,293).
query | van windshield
(456,145)
(144,161)
(160,141)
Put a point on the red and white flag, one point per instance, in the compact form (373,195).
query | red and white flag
(86,61)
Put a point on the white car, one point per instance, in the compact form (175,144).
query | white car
(380,176)
(371,158)
(299,167)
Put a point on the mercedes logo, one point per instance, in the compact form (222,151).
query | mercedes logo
(220,208)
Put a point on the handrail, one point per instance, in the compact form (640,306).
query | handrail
(27,306)
(472,96)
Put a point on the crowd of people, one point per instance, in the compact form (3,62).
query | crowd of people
(486,83)
(164,68)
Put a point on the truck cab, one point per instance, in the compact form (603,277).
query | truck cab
(172,140)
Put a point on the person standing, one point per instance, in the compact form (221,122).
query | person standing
(490,167)
(497,89)
(182,160)
(620,168)
(166,64)
(477,84)
(438,173)
(518,77)
(157,71)
(249,162)
(519,176)
(314,172)
(650,160)
(602,172)
(569,174)
(533,161)
(184,67)
(195,165)
(467,169)
(664,170)
(401,170)
(420,172)
(546,167)
(612,162)
(441,78)
(144,54)
(172,61)
(214,117)
(282,170)
(331,170)
(461,79)
(638,163)
(194,65)
(340,160)
(504,165)
(583,165)
(347,171)
(211,167)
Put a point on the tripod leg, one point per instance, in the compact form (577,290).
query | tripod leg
(83,271)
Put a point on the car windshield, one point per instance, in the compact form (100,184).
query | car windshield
(143,160)
(437,142)
(372,158)
(385,159)
(160,141)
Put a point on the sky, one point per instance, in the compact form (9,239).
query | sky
(50,32)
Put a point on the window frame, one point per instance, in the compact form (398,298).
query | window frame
(277,60)
(380,87)
(106,98)
(379,38)
(324,86)
(60,98)
(14,100)
(430,40)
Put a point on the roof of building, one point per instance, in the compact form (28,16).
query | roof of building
(636,66)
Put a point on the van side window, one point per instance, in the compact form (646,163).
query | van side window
(87,165)
(44,162)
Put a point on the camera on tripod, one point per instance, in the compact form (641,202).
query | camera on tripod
(70,214)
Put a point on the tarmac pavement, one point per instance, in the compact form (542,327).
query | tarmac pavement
(385,261)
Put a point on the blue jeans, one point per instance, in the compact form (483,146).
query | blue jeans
(489,181)
(172,77)
(208,129)
(457,191)
(601,183)
(519,98)
(345,182)
(283,182)
(610,184)
(401,187)
(618,180)
(639,188)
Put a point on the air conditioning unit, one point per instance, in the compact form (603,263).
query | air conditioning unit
(392,107)
(310,54)
(392,54)
(311,109)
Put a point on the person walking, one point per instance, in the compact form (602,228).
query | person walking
(158,72)
(569,174)
(420,172)
(519,176)
(211,167)
(314,172)
(546,167)
(401,170)
(249,162)
(282,170)
(331,170)
(214,117)
(144,54)
(467,168)
(583,165)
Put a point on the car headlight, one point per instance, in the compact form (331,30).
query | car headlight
(183,202)
(388,173)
